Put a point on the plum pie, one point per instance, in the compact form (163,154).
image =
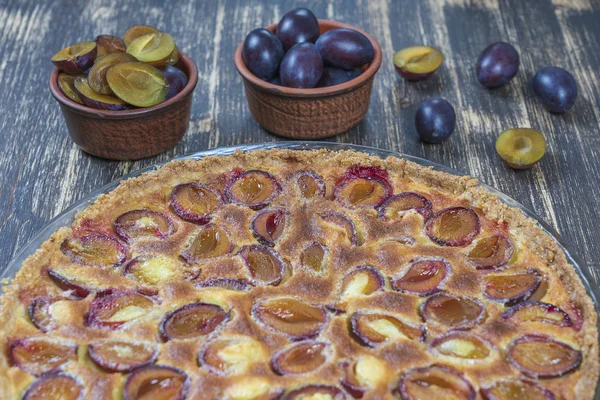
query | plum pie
(298,275)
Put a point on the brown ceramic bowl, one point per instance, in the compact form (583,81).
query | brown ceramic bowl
(129,134)
(310,113)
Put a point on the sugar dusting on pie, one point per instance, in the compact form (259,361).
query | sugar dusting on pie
(283,274)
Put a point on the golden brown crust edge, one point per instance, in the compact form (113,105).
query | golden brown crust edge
(465,187)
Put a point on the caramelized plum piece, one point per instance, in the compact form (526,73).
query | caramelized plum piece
(315,392)
(300,358)
(309,184)
(343,222)
(268,225)
(362,281)
(195,202)
(40,314)
(537,311)
(176,79)
(423,276)
(265,265)
(313,256)
(521,148)
(230,355)
(491,253)
(55,386)
(362,373)
(120,356)
(457,312)
(38,355)
(159,382)
(255,189)
(77,289)
(108,44)
(96,250)
(143,223)
(418,62)
(237,285)
(115,309)
(134,32)
(97,75)
(212,241)
(152,47)
(363,187)
(295,318)
(397,206)
(362,192)
(153,270)
(96,100)
(137,83)
(372,329)
(66,83)
(192,320)
(456,226)
(461,344)
(512,289)
(515,389)
(437,382)
(542,357)
(77,58)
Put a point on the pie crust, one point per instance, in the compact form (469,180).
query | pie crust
(255,366)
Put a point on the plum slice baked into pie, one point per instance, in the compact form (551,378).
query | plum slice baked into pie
(298,275)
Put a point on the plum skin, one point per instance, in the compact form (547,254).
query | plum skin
(297,26)
(497,65)
(176,79)
(301,67)
(345,48)
(336,76)
(555,88)
(542,339)
(262,53)
(435,120)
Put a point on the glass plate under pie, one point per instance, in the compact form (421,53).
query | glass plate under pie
(297,271)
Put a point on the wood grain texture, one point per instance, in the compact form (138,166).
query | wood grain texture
(42,171)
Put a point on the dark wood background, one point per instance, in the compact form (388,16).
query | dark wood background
(42,171)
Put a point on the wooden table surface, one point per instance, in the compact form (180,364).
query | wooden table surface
(42,171)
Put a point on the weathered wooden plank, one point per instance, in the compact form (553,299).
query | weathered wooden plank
(42,172)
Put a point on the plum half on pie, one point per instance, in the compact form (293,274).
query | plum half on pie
(298,275)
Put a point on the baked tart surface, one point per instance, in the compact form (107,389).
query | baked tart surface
(287,274)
